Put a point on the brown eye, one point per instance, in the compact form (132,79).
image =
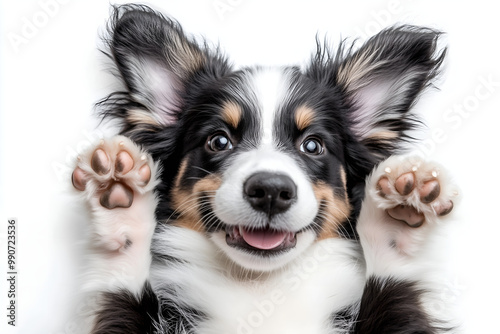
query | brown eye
(219,142)
(312,146)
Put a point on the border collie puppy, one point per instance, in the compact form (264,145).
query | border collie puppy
(261,200)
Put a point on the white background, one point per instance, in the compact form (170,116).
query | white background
(52,74)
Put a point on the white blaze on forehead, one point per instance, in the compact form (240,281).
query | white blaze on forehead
(269,90)
(270,87)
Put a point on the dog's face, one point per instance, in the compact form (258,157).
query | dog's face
(264,161)
(262,171)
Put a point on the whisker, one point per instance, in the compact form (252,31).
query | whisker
(186,205)
(338,224)
(207,171)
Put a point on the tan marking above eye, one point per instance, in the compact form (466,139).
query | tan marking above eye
(231,113)
(304,117)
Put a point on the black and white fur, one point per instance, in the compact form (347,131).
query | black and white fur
(175,246)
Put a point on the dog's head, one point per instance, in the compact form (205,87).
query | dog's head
(265,161)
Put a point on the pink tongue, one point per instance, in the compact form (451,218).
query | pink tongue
(263,239)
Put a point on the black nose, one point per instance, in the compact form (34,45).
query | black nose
(270,192)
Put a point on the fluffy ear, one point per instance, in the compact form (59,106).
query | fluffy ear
(383,79)
(156,61)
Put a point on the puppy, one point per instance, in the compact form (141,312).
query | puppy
(261,200)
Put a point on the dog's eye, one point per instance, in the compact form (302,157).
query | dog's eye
(219,142)
(312,146)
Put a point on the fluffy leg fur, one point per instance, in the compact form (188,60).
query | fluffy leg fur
(116,179)
(407,201)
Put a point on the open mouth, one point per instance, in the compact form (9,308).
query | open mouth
(263,241)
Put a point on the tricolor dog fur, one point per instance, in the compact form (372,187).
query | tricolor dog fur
(261,199)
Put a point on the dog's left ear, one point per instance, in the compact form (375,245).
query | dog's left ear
(383,79)
(158,64)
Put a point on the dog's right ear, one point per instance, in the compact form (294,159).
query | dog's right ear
(156,61)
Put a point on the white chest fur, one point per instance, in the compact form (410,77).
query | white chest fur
(300,298)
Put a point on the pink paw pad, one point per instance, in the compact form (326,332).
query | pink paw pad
(405,183)
(118,195)
(406,186)
(100,162)
(121,172)
(124,162)
(79,179)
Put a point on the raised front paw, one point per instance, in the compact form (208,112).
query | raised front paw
(405,200)
(414,191)
(113,172)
